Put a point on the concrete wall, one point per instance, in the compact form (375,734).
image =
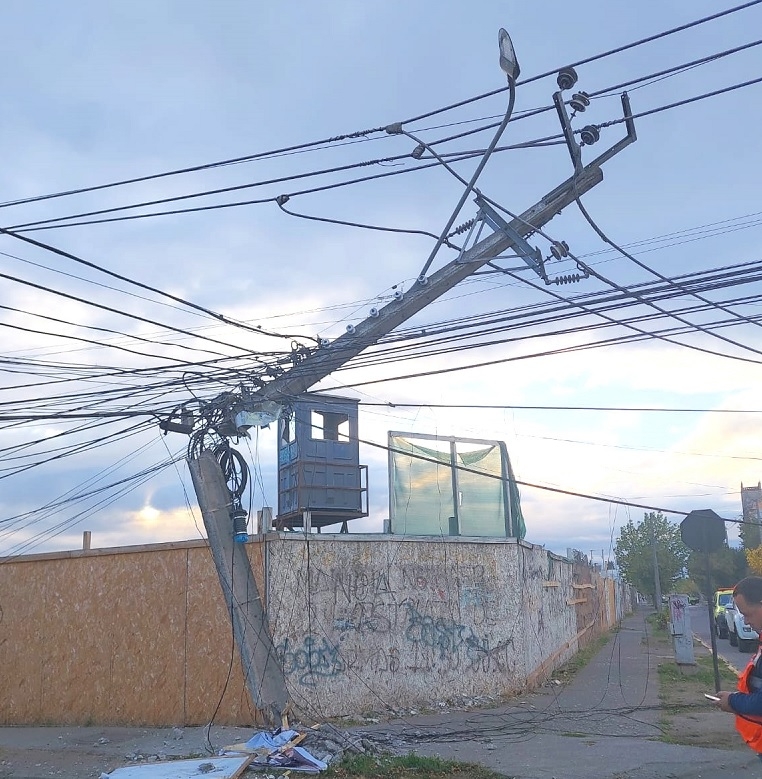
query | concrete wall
(141,635)
(372,623)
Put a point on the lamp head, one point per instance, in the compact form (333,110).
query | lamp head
(508,61)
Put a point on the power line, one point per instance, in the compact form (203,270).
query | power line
(361,179)
(594,58)
(512,406)
(148,287)
(362,134)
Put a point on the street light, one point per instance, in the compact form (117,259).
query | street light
(510,66)
(508,61)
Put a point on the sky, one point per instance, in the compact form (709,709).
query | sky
(97,94)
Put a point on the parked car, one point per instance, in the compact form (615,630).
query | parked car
(721,599)
(740,634)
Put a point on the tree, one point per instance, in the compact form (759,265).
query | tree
(634,553)
(749,532)
(727,566)
(754,558)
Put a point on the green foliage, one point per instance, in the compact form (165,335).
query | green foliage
(727,566)
(634,553)
(685,586)
(750,534)
(659,622)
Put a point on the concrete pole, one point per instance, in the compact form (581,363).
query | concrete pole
(262,669)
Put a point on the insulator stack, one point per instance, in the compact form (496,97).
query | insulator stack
(462,228)
(569,278)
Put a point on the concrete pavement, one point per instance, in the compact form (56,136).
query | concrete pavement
(603,724)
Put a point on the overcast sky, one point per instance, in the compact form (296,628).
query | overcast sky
(96,93)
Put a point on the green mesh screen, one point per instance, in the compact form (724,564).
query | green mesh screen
(423,497)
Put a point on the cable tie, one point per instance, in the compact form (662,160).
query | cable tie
(281,200)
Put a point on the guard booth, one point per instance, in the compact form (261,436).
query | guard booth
(320,479)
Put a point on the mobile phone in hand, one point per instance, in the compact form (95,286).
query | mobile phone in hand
(711,697)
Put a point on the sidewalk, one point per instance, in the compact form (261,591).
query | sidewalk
(603,724)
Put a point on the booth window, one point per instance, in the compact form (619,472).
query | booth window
(329,426)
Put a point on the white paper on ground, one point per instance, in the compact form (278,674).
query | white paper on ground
(221,768)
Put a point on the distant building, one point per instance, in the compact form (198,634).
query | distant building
(751,504)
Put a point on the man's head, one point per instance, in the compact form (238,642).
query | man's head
(748,597)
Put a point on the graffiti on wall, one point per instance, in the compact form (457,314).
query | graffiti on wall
(417,618)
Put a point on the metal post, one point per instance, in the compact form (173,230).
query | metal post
(307,521)
(510,529)
(712,628)
(454,529)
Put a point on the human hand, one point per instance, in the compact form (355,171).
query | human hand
(723,702)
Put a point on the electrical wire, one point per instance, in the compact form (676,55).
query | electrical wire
(362,134)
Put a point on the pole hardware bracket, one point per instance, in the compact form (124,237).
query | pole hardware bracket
(531,255)
(590,133)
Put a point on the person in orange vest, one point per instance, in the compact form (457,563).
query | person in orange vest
(746,704)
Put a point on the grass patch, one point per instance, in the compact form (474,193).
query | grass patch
(686,716)
(410,766)
(700,677)
(659,622)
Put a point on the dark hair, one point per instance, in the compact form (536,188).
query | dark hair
(750,588)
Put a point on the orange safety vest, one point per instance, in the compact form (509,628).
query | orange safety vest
(748,725)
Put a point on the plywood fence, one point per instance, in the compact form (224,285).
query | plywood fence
(136,635)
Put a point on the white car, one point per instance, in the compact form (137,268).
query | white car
(739,633)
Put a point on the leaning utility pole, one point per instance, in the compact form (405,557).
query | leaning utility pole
(262,670)
(232,414)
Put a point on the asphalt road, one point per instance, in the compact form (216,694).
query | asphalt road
(700,626)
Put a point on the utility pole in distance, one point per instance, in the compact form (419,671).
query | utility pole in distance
(231,414)
(657,581)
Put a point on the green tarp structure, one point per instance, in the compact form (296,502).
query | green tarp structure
(483,499)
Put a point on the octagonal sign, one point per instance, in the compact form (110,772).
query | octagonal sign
(703,531)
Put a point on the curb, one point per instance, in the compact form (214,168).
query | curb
(708,646)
